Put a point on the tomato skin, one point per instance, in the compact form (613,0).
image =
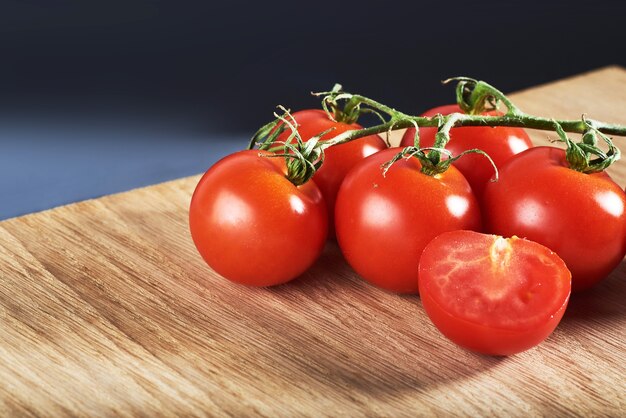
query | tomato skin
(384,222)
(252,225)
(339,159)
(493,295)
(500,142)
(579,216)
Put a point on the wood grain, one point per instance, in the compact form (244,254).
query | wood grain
(107,310)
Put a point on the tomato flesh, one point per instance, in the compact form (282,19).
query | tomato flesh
(490,294)
(500,143)
(252,225)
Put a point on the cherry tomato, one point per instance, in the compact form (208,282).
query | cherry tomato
(252,225)
(383,222)
(493,295)
(579,216)
(339,159)
(500,142)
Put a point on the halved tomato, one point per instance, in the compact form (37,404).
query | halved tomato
(493,295)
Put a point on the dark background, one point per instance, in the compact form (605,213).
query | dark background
(111,95)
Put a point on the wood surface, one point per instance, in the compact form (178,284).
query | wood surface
(106,309)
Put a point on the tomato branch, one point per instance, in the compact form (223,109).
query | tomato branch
(475,98)
(519,121)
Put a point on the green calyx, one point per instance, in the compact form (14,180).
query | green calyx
(475,97)
(267,135)
(424,155)
(431,161)
(302,159)
(331,103)
(585,156)
(350,111)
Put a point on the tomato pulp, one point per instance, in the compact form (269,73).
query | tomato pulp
(383,222)
(579,216)
(252,225)
(500,143)
(339,159)
(493,295)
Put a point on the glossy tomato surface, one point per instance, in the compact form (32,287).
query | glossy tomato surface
(500,142)
(339,159)
(579,216)
(252,225)
(384,222)
(493,295)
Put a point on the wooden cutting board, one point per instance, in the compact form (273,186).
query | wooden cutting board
(106,309)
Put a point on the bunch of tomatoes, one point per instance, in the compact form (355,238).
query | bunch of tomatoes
(494,262)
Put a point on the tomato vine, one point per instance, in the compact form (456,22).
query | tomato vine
(474,98)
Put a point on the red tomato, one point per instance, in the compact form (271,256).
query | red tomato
(252,225)
(500,142)
(579,216)
(490,294)
(339,159)
(384,222)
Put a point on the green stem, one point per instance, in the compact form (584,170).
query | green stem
(358,99)
(474,97)
(519,120)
